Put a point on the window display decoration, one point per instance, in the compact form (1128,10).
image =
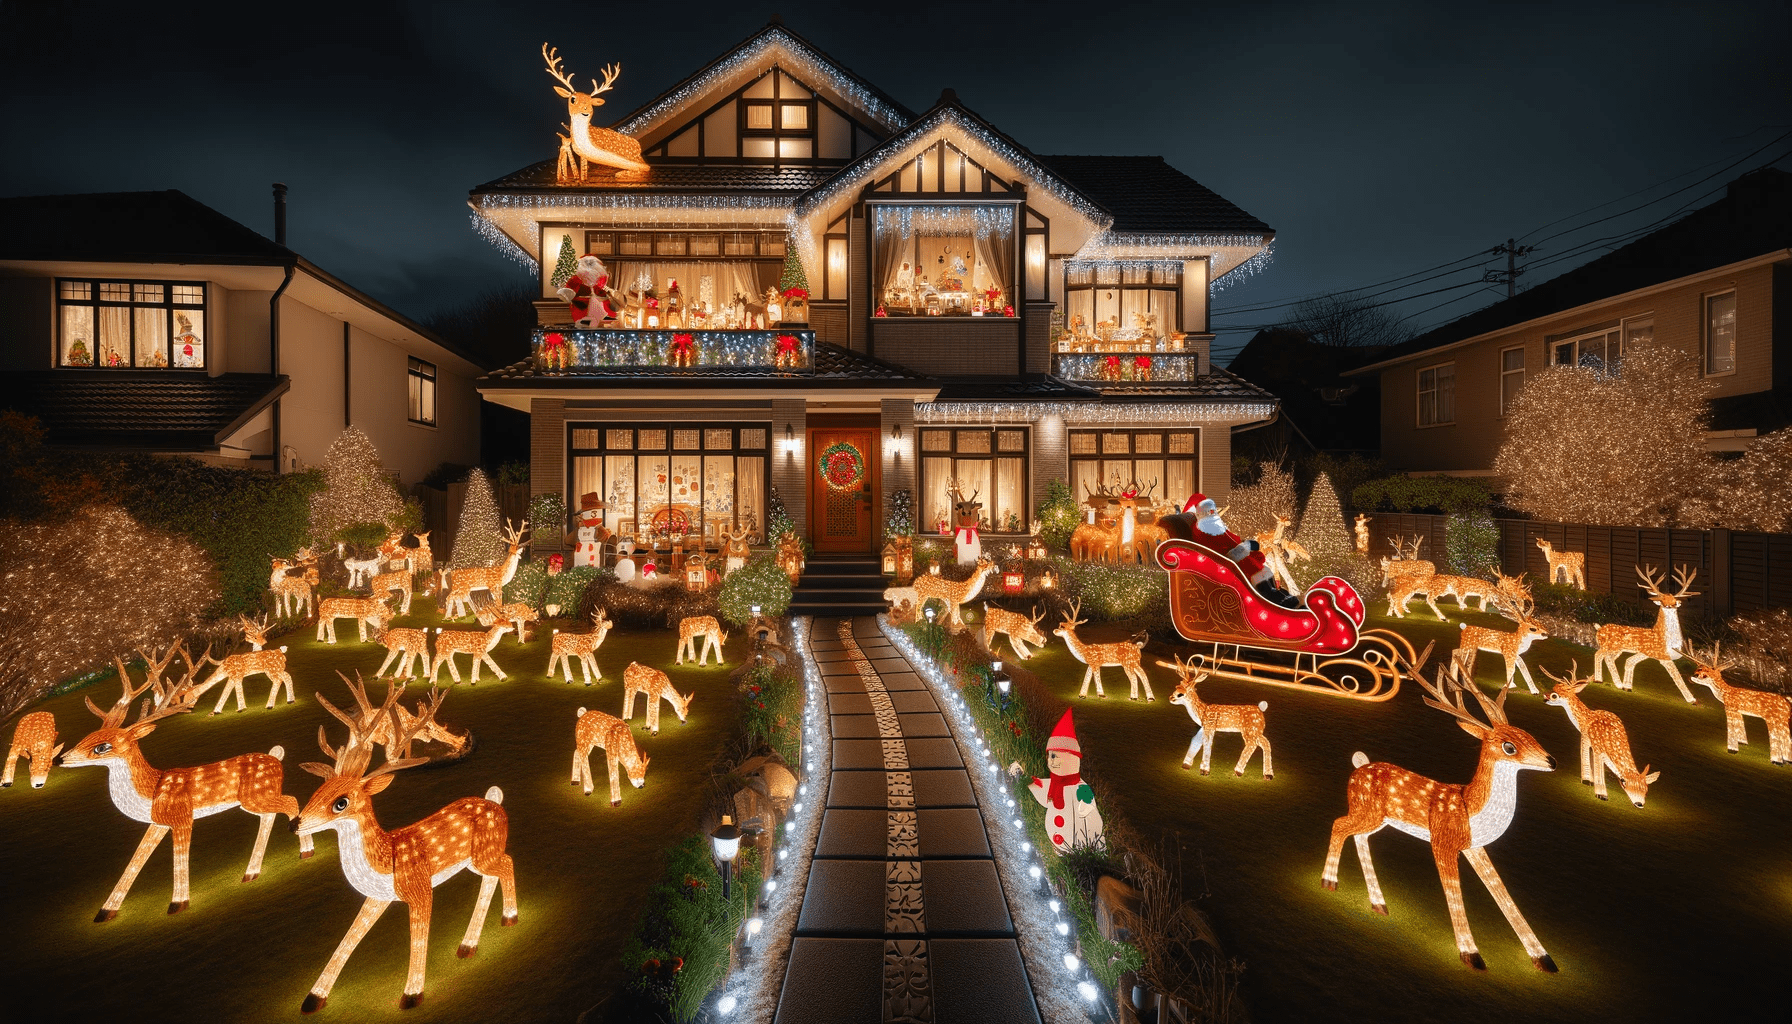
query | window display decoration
(555,353)
(1603,741)
(1087,412)
(842,466)
(587,293)
(565,264)
(1458,820)
(1245,719)
(494,209)
(789,353)
(404,865)
(596,730)
(587,144)
(619,348)
(35,740)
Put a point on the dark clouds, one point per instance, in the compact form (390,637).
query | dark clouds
(1377,139)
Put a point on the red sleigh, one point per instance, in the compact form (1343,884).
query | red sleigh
(1211,601)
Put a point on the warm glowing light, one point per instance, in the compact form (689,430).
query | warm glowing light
(654,685)
(457,599)
(596,729)
(1661,642)
(1513,600)
(1771,708)
(35,740)
(1245,719)
(697,636)
(564,647)
(951,593)
(1123,655)
(1603,742)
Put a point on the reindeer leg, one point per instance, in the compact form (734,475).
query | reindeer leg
(615,782)
(1738,729)
(470,944)
(253,871)
(581,768)
(1524,670)
(1600,764)
(487,658)
(1450,873)
(1193,746)
(1263,745)
(1377,902)
(183,846)
(151,839)
(223,697)
(1586,761)
(1207,752)
(1674,674)
(12,761)
(419,908)
(1540,959)
(320,992)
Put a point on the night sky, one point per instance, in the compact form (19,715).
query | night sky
(1378,140)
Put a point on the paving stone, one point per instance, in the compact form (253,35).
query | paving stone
(866,626)
(844,684)
(826,645)
(858,789)
(949,787)
(932,753)
(853,727)
(849,704)
(950,832)
(855,833)
(860,754)
(920,725)
(832,657)
(894,681)
(845,896)
(830,981)
(893,666)
(908,702)
(979,980)
(839,669)
(961,896)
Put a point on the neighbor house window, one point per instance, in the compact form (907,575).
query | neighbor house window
(662,480)
(121,324)
(1511,376)
(1598,349)
(1720,333)
(1162,462)
(1437,395)
(990,461)
(422,388)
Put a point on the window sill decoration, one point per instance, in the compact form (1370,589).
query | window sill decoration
(573,349)
(842,466)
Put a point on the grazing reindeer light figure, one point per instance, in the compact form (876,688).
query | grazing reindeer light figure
(590,144)
(35,738)
(697,636)
(1570,566)
(596,729)
(1457,820)
(1513,600)
(408,646)
(1123,655)
(1738,701)
(1019,629)
(566,646)
(1404,564)
(952,593)
(519,614)
(237,667)
(1661,642)
(398,579)
(1603,742)
(652,684)
(366,611)
(1245,719)
(170,800)
(405,864)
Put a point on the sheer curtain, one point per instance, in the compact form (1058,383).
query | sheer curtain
(996,250)
(891,246)
(936,476)
(728,279)
(751,478)
(1010,499)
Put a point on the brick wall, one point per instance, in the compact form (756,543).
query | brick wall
(1039,336)
(547,459)
(1215,470)
(857,283)
(898,453)
(827,318)
(1051,456)
(790,471)
(949,345)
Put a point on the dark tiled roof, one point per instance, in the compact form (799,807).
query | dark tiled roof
(1012,389)
(1144,193)
(1753,218)
(832,364)
(165,411)
(672,178)
(129,227)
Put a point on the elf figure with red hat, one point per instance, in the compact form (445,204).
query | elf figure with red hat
(1211,533)
(1071,817)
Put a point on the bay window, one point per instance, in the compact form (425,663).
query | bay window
(122,324)
(954,260)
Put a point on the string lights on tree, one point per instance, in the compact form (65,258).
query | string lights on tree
(479,538)
(357,494)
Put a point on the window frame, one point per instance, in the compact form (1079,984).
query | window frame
(1025,455)
(1133,455)
(421,369)
(602,451)
(1174,290)
(1705,300)
(167,305)
(1608,335)
(1420,391)
(1505,403)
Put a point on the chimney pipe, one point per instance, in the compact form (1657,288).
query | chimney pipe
(279,213)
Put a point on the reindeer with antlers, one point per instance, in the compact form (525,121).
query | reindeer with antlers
(1661,642)
(1771,708)
(458,588)
(170,800)
(967,519)
(291,593)
(1512,598)
(1245,719)
(237,667)
(1404,564)
(406,864)
(1603,742)
(1123,655)
(586,142)
(952,593)
(1457,820)
(565,647)
(1016,626)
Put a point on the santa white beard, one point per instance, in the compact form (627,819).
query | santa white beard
(1211,525)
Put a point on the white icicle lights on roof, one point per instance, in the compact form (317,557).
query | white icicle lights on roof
(1090,412)
(643,209)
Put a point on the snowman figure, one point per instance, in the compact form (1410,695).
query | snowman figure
(1071,817)
(587,539)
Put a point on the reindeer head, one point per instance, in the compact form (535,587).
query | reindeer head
(968,512)
(600,624)
(1191,675)
(1029,632)
(578,104)
(116,743)
(255,631)
(681,703)
(1067,627)
(1710,671)
(1503,742)
(1653,580)
(348,789)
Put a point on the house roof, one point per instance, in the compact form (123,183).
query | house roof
(833,365)
(1218,384)
(1753,218)
(1013,389)
(1146,194)
(146,410)
(670,179)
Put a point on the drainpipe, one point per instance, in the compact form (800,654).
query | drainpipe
(274,316)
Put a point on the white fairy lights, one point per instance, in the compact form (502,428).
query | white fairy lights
(741,349)
(1091,412)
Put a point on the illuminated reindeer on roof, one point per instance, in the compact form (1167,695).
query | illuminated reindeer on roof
(586,144)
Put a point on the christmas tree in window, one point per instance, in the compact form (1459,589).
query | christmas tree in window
(567,264)
(794,285)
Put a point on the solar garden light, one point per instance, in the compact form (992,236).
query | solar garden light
(996,690)
(726,840)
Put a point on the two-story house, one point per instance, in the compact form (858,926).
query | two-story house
(978,316)
(148,321)
(1716,283)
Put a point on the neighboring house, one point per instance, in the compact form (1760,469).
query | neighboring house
(978,313)
(1322,409)
(1716,283)
(148,321)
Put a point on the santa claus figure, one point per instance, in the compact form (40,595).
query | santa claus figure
(1211,533)
(587,292)
(1071,817)
(587,539)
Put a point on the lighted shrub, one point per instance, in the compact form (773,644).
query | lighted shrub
(688,924)
(1058,515)
(1428,494)
(759,582)
(547,517)
(358,501)
(772,712)
(1472,544)
(1109,591)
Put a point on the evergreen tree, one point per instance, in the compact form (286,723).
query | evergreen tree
(1328,540)
(777,521)
(358,502)
(1253,508)
(478,540)
(793,276)
(568,262)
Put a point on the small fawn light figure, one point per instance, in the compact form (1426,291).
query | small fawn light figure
(596,729)
(1568,566)
(35,740)
(1123,655)
(1603,742)
(1244,719)
(564,647)
(1770,708)
(237,667)
(697,636)
(479,644)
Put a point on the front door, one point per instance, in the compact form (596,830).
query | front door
(842,490)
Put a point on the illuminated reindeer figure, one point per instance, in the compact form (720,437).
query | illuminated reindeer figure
(1603,742)
(1123,655)
(1457,820)
(237,667)
(170,800)
(584,141)
(35,740)
(406,864)
(652,684)
(697,636)
(458,587)
(564,647)
(1513,600)
(291,593)
(952,594)
(596,729)
(1661,642)
(1017,627)
(1771,708)
(1245,719)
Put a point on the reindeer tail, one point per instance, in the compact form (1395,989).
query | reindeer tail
(495,795)
(1358,759)
(581,712)
(1263,705)
(277,752)
(1462,625)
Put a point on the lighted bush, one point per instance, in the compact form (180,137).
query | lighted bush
(547,517)
(358,501)
(1430,494)
(1109,591)
(1472,544)
(1252,509)
(759,582)
(478,539)
(533,585)
(772,712)
(1058,515)
(1587,605)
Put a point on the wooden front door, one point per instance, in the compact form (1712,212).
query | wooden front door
(840,507)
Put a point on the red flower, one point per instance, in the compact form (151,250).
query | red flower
(762,705)
(1114,362)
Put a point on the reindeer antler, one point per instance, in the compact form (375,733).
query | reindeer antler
(113,717)
(610,73)
(552,56)
(1446,694)
(1076,608)
(176,697)
(351,758)
(1683,577)
(403,736)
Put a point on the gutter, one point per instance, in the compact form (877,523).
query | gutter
(274,356)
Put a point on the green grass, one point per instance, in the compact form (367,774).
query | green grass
(251,952)
(1681,910)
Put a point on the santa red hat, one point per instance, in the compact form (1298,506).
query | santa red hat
(1195,502)
(1064,737)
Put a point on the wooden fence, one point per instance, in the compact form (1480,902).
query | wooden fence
(441,513)
(1739,572)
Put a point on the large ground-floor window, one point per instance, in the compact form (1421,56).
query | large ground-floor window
(1166,461)
(668,479)
(990,461)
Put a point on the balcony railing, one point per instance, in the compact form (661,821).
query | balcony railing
(1131,367)
(571,350)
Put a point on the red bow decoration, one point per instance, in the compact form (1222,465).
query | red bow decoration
(1007,310)
(553,341)
(786,343)
(1113,362)
(796,293)
(1142,362)
(555,562)
(683,343)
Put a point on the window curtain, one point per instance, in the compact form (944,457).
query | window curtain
(1179,483)
(619,498)
(936,476)
(996,251)
(1085,477)
(1010,499)
(751,480)
(728,279)
(891,246)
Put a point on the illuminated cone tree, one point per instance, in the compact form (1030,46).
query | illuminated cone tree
(1328,539)
(479,539)
(358,501)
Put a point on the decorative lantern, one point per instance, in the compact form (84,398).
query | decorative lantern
(555,353)
(726,840)
(1014,581)
(1047,581)
(889,558)
(790,557)
(1035,547)
(696,575)
(1141,367)
(905,557)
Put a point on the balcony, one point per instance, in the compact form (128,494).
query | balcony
(1117,365)
(614,350)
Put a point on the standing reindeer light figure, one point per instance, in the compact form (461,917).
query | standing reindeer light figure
(1661,642)
(967,519)
(1123,655)
(237,667)
(1771,708)
(1245,719)
(406,864)
(35,740)
(1513,600)
(1603,742)
(585,144)
(1457,820)
(170,800)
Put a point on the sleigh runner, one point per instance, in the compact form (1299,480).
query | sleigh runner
(1320,646)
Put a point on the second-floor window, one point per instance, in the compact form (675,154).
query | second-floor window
(1511,377)
(123,324)
(421,383)
(1437,395)
(1720,333)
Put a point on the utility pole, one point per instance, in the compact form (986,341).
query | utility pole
(1512,251)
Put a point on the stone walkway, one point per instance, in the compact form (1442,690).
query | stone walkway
(904,918)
